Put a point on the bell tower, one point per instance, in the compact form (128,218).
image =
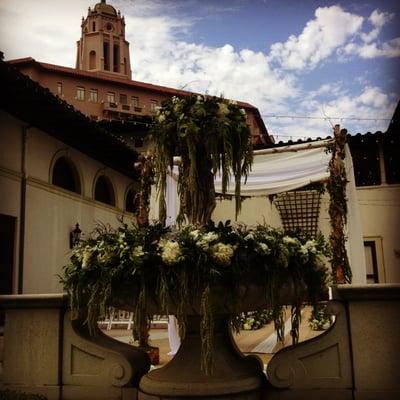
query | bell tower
(102,46)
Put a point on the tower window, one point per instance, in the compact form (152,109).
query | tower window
(106,52)
(93,95)
(92,60)
(59,88)
(80,93)
(65,175)
(116,58)
(93,26)
(103,191)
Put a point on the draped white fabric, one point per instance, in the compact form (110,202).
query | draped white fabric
(281,172)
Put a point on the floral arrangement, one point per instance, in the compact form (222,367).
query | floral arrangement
(158,267)
(320,319)
(210,135)
(253,320)
(202,268)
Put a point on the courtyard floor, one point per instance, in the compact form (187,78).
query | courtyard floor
(261,342)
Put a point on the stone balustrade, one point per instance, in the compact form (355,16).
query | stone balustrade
(356,359)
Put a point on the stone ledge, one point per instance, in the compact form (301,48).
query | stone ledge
(24,301)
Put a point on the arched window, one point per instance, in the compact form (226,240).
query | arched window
(92,60)
(103,191)
(65,175)
(130,203)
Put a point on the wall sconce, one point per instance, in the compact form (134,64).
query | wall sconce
(74,237)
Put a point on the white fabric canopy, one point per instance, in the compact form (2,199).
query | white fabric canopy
(281,172)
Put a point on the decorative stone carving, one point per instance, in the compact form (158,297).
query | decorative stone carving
(322,362)
(45,352)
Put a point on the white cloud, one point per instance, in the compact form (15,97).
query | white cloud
(159,57)
(378,20)
(331,28)
(370,46)
(271,81)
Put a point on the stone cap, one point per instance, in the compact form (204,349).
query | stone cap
(21,301)
(373,291)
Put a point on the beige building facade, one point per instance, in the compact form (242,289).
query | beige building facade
(53,175)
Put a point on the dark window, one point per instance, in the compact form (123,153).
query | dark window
(106,48)
(371,262)
(391,152)
(366,164)
(64,176)
(116,58)
(130,205)
(93,26)
(123,99)
(103,191)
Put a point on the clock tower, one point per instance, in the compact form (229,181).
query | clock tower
(102,46)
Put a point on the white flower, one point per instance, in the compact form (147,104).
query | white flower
(195,234)
(243,111)
(310,245)
(104,258)
(137,251)
(290,241)
(222,253)
(247,327)
(206,239)
(161,118)
(210,237)
(249,236)
(87,255)
(171,252)
(263,248)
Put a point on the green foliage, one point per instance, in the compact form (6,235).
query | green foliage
(320,320)
(149,269)
(253,320)
(211,136)
(336,187)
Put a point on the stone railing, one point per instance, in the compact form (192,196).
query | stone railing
(47,353)
(356,359)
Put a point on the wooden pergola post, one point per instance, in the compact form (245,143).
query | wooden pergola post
(338,207)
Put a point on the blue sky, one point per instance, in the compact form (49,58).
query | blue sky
(304,58)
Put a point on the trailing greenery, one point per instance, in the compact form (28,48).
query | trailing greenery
(156,270)
(336,187)
(211,136)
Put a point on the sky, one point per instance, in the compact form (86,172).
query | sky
(305,64)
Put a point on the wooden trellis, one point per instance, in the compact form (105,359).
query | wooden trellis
(299,210)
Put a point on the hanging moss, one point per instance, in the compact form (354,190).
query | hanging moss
(211,136)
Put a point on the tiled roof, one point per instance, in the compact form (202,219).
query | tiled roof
(115,80)
(36,105)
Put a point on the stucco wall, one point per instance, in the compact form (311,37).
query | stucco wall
(51,212)
(380,214)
